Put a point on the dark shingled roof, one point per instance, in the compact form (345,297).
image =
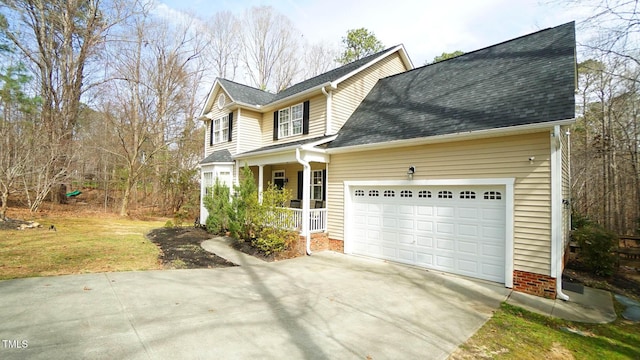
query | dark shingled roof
(252,96)
(246,94)
(218,156)
(527,80)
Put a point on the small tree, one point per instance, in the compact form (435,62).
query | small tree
(357,44)
(244,207)
(596,248)
(218,204)
(275,222)
(445,56)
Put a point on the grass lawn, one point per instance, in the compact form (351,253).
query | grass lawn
(81,244)
(514,333)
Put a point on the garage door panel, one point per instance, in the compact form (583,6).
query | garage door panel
(445,262)
(406,238)
(468,213)
(424,259)
(445,244)
(406,256)
(468,230)
(493,215)
(423,225)
(390,222)
(455,230)
(445,212)
(445,228)
(406,224)
(468,266)
(424,241)
(468,247)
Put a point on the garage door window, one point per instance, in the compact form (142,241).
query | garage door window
(374,193)
(389,193)
(406,193)
(359,192)
(424,194)
(492,195)
(445,194)
(467,195)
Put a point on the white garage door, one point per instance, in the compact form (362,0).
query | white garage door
(457,229)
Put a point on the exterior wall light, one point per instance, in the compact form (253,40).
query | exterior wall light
(411,171)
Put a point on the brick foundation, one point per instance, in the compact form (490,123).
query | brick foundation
(336,245)
(534,284)
(319,242)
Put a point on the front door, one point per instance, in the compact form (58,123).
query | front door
(278,179)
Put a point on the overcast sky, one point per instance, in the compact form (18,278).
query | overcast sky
(426,28)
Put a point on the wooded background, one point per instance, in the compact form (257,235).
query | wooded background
(103,96)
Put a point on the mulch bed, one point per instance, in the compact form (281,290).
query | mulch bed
(180,249)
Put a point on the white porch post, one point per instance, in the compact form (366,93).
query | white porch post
(260,181)
(306,199)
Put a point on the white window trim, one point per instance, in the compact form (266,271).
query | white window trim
(221,130)
(290,120)
(313,186)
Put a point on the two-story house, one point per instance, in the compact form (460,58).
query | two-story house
(459,166)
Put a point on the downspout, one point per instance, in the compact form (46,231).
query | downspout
(329,97)
(305,199)
(556,208)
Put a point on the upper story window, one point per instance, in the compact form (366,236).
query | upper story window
(291,121)
(221,129)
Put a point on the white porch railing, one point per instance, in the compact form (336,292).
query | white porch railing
(317,219)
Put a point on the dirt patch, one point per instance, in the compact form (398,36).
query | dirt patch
(180,249)
(11,224)
(625,281)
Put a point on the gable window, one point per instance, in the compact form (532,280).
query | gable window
(221,129)
(291,121)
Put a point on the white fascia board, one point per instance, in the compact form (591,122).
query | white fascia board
(302,94)
(217,163)
(513,130)
(311,146)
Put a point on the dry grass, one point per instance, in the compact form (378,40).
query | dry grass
(82,243)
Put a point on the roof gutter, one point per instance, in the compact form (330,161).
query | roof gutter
(451,137)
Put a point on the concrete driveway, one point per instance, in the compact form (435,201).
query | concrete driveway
(326,306)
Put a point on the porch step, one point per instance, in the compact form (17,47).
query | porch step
(221,246)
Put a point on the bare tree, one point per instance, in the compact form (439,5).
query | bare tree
(152,93)
(270,45)
(224,49)
(58,38)
(319,58)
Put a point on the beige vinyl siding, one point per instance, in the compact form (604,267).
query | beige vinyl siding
(216,113)
(505,157)
(248,126)
(352,91)
(317,118)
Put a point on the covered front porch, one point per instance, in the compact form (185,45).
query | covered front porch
(301,171)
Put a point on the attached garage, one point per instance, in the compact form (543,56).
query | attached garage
(461,229)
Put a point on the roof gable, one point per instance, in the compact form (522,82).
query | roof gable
(251,96)
(527,80)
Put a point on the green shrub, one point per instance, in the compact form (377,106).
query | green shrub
(168,224)
(218,205)
(274,240)
(596,248)
(244,207)
(578,220)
